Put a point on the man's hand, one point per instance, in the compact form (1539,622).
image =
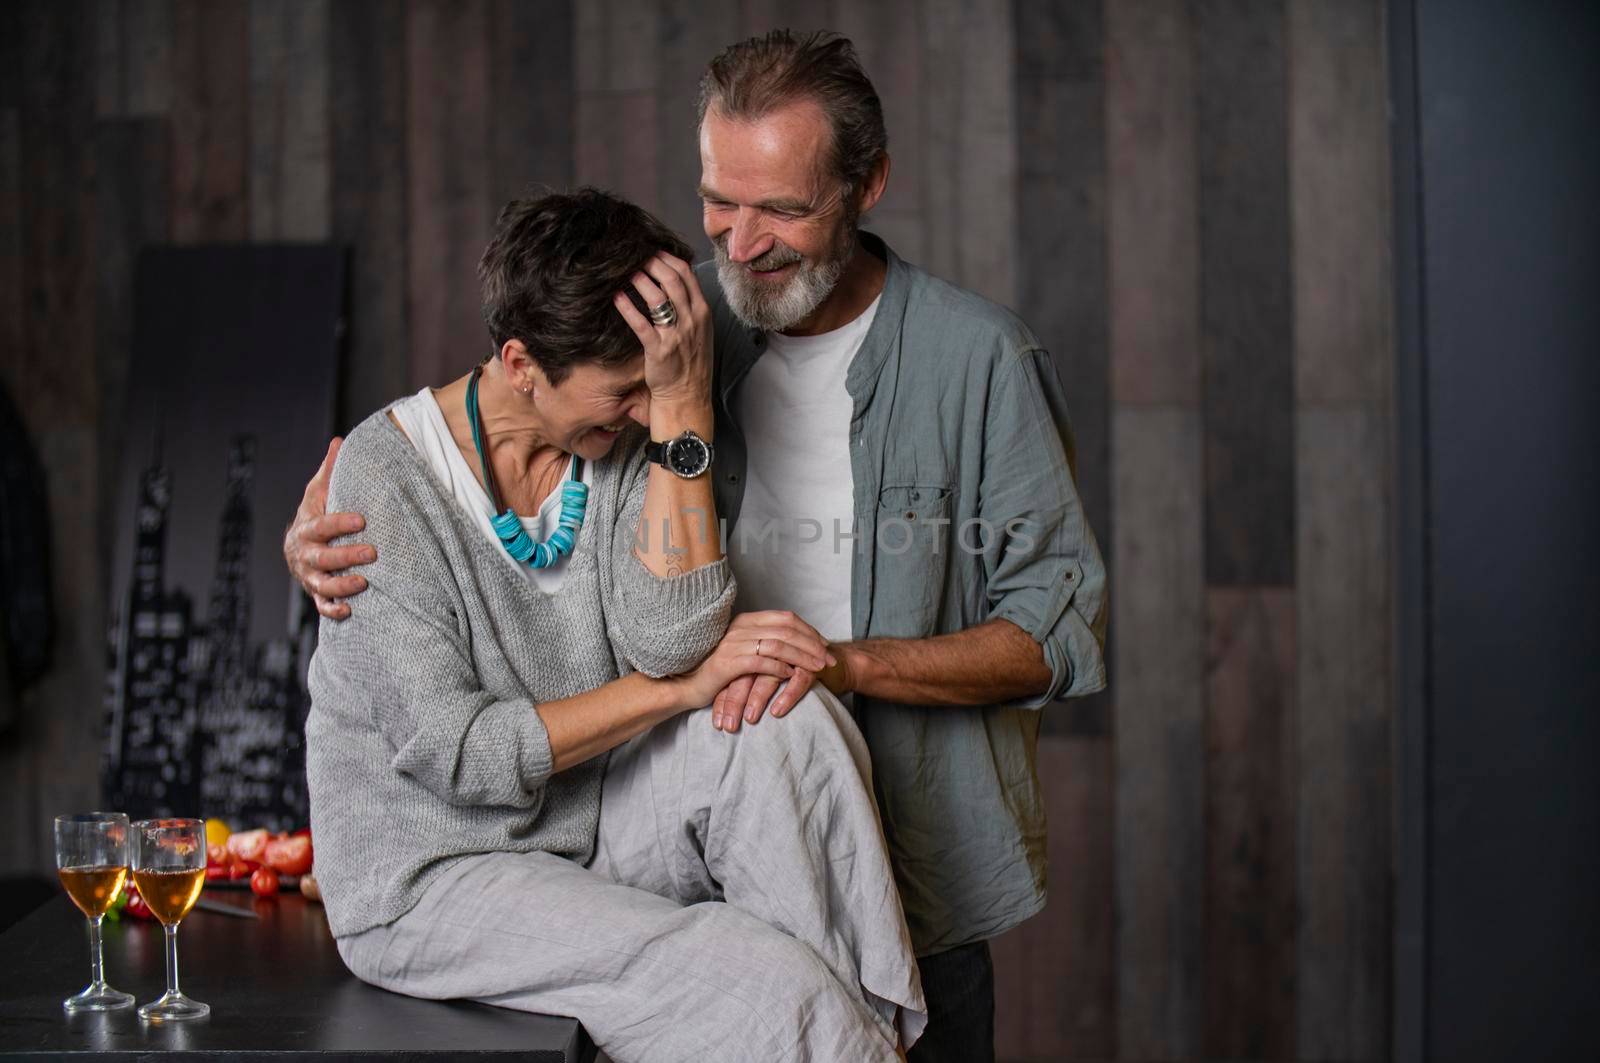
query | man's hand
(743,652)
(748,697)
(305,545)
(838,677)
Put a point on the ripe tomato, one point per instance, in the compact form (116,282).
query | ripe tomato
(217,855)
(136,906)
(248,844)
(238,869)
(291,856)
(264,883)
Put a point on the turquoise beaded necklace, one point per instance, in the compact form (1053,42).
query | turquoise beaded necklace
(507,525)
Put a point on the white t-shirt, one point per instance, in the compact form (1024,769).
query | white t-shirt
(790,547)
(424,424)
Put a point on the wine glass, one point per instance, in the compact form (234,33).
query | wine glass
(92,860)
(169,867)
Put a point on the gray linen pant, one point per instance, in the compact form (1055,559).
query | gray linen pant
(739,906)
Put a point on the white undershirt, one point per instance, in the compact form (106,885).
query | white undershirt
(795,414)
(423,422)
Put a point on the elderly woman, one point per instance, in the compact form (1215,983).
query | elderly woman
(511,800)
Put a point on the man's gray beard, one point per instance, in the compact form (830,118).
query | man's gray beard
(775,310)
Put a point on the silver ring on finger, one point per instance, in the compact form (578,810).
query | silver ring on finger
(664,315)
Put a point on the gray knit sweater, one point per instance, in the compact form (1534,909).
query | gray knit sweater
(423,745)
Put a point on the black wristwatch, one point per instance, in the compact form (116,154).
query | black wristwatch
(687,456)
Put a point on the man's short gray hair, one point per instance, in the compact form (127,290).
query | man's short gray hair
(763,74)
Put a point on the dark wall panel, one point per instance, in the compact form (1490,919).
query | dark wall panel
(1339,172)
(288,179)
(531,94)
(1153,247)
(969,142)
(448,209)
(1509,101)
(18,762)
(53,381)
(133,58)
(1061,275)
(133,169)
(1250,825)
(692,31)
(210,121)
(618,132)
(1063,963)
(880,32)
(1157,497)
(1055,990)
(1247,338)
(367,136)
(1061,192)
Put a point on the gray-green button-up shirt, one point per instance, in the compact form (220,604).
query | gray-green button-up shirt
(965,510)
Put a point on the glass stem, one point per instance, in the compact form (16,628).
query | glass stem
(172,959)
(96,969)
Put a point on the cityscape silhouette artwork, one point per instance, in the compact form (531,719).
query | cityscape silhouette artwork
(198,716)
(233,377)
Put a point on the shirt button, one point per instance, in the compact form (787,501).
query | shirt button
(733,477)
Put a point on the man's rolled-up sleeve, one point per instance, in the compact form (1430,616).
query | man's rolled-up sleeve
(1043,567)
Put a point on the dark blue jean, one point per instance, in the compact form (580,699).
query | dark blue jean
(959,988)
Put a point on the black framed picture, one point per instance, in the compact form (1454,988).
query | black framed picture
(231,399)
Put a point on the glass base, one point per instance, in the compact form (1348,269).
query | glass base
(174,1007)
(98,997)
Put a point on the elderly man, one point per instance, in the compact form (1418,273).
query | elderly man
(892,464)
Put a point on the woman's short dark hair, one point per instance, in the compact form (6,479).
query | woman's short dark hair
(551,270)
(756,77)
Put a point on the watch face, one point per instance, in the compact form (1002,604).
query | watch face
(687,457)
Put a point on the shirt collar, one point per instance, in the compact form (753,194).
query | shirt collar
(862,379)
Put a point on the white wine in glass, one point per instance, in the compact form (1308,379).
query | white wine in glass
(92,861)
(169,867)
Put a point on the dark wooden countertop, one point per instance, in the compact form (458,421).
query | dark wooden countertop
(276,987)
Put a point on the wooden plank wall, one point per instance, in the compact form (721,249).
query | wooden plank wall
(1187,201)
(395,128)
(1242,162)
(1344,403)
(52,367)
